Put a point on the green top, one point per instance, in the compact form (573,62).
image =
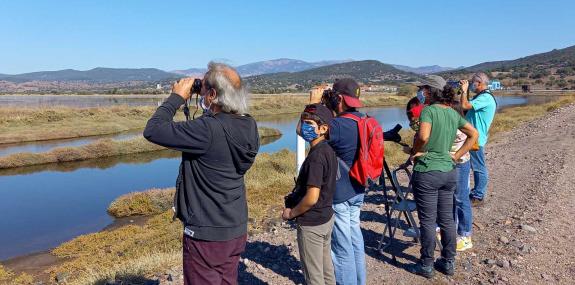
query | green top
(444,124)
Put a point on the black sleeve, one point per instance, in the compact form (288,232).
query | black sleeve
(190,136)
(315,173)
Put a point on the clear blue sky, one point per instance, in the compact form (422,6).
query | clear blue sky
(51,35)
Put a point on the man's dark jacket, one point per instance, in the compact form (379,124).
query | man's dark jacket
(217,150)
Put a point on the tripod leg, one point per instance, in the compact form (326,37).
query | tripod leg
(412,224)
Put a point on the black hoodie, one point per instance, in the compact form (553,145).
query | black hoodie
(217,150)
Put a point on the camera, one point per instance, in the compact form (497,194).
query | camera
(329,99)
(455,84)
(196,86)
(292,199)
(393,134)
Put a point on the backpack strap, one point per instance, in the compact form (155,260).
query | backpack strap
(352,116)
(486,91)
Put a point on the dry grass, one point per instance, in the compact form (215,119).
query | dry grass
(8,277)
(267,182)
(132,271)
(509,118)
(150,202)
(266,132)
(134,251)
(127,251)
(395,153)
(37,124)
(98,149)
(287,104)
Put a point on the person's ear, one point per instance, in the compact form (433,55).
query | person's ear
(212,94)
(340,101)
(323,129)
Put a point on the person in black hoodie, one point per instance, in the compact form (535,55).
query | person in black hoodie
(217,150)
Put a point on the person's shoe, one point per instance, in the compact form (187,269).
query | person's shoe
(476,202)
(445,266)
(426,271)
(464,243)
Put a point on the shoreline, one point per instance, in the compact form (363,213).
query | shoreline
(29,124)
(101,148)
(36,263)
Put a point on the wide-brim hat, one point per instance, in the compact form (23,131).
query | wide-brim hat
(432,80)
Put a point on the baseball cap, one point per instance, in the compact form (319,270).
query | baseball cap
(350,91)
(432,80)
(321,111)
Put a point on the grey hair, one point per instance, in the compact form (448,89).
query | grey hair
(480,77)
(232,99)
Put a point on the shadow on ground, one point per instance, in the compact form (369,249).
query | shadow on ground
(128,280)
(274,257)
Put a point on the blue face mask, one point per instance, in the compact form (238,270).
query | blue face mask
(421,96)
(308,132)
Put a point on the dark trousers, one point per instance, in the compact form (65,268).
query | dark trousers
(212,262)
(434,192)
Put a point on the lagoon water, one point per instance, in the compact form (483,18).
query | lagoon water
(79,101)
(43,206)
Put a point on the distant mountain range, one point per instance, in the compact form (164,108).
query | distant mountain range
(267,66)
(96,75)
(424,69)
(553,69)
(366,71)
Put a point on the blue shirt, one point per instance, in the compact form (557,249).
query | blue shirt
(344,139)
(481,114)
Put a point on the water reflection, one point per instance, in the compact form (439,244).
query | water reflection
(43,146)
(101,163)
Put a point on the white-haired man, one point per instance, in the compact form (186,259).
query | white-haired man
(217,150)
(481,111)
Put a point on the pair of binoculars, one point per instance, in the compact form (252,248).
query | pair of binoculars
(196,86)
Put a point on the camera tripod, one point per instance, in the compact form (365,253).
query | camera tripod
(391,202)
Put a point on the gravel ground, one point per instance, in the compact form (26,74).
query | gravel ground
(522,233)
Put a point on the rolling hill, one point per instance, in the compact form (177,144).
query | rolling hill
(367,72)
(556,58)
(549,70)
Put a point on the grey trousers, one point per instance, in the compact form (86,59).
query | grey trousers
(314,244)
(434,192)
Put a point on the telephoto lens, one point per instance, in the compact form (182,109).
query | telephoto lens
(393,134)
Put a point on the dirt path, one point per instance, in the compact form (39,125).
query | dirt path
(522,235)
